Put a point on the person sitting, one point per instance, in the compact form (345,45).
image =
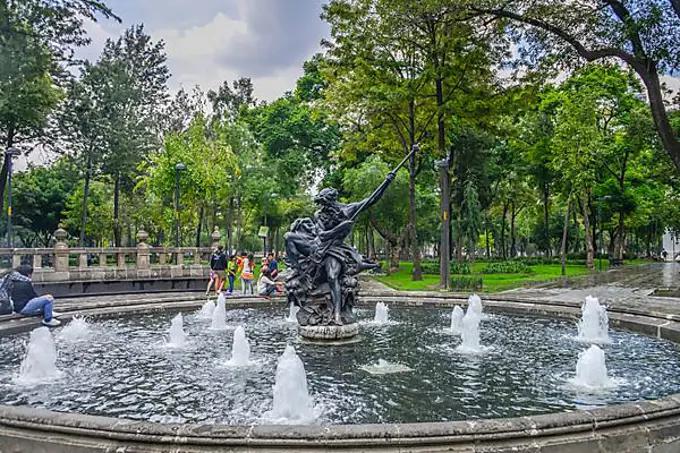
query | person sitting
(266,285)
(26,301)
(272,264)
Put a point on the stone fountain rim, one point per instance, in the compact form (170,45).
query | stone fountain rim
(584,423)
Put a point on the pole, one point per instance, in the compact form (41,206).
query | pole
(9,156)
(177,208)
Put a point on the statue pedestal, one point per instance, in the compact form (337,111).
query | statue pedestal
(329,333)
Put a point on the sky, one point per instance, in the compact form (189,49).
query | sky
(267,40)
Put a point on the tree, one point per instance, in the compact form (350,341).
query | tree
(40,198)
(37,41)
(643,34)
(133,97)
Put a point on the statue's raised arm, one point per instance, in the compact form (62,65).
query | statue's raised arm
(354,209)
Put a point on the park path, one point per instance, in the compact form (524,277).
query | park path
(636,287)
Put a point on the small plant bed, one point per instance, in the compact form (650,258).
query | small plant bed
(491,282)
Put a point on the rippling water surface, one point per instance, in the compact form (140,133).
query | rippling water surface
(125,370)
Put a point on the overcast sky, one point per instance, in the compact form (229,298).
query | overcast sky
(209,41)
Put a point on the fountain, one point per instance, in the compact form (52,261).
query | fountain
(475,306)
(292,402)
(594,324)
(219,315)
(76,330)
(240,349)
(292,313)
(384,367)
(177,336)
(39,365)
(457,320)
(207,310)
(382,313)
(591,370)
(470,334)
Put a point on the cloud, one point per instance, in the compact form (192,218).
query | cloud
(267,40)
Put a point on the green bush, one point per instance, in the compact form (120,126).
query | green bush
(461,268)
(507,267)
(466,283)
(430,267)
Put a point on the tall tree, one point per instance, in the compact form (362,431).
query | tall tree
(643,34)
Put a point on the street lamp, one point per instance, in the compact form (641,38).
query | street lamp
(178,168)
(10,153)
(599,221)
(445,241)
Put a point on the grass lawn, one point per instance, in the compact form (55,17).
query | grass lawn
(401,279)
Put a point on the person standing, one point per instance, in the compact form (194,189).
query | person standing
(248,274)
(218,264)
(241,261)
(232,267)
(26,301)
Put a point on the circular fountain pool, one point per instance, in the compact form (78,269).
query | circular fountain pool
(126,370)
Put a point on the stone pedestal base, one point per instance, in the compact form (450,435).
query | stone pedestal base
(329,333)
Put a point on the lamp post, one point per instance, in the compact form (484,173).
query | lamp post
(445,243)
(10,153)
(178,168)
(599,222)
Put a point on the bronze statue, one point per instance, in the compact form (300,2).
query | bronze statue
(323,280)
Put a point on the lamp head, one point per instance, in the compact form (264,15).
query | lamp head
(180,167)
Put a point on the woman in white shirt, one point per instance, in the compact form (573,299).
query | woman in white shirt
(266,285)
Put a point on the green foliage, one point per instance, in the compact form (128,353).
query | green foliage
(507,267)
(100,212)
(466,282)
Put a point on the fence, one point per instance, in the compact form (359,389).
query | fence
(63,263)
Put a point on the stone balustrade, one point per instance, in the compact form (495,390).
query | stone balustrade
(64,263)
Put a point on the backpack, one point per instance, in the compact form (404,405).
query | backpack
(6,306)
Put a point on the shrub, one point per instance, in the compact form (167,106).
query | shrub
(460,268)
(507,267)
(466,283)
(430,268)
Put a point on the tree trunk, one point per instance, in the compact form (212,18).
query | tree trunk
(513,239)
(199,228)
(86,192)
(371,242)
(565,235)
(486,235)
(590,248)
(504,253)
(619,245)
(117,233)
(230,226)
(5,167)
(546,219)
(650,77)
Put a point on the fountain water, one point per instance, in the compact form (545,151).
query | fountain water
(470,334)
(591,370)
(457,320)
(219,315)
(594,324)
(207,310)
(385,367)
(292,402)
(240,349)
(39,365)
(76,330)
(177,336)
(292,313)
(475,306)
(382,313)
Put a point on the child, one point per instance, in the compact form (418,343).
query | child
(232,266)
(266,286)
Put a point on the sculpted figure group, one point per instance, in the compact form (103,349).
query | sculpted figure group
(323,281)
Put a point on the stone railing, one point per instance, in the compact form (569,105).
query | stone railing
(64,263)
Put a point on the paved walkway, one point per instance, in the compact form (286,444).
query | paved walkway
(627,287)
